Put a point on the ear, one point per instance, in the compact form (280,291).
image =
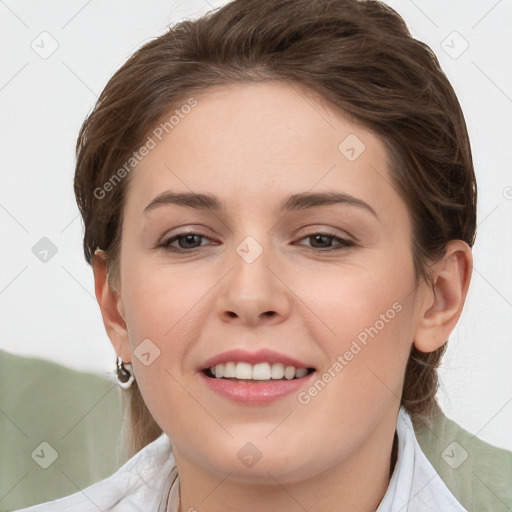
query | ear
(112,308)
(444,299)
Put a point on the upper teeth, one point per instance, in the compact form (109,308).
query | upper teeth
(260,371)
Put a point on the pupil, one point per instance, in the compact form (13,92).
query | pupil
(188,239)
(320,237)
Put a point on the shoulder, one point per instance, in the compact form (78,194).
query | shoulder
(136,485)
(477,473)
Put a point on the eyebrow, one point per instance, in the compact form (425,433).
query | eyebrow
(300,201)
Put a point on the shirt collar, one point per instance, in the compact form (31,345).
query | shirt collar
(415,485)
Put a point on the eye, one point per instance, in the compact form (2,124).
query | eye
(186,242)
(320,241)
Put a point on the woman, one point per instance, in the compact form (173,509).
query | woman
(279,205)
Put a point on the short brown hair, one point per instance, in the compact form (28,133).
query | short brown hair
(356,54)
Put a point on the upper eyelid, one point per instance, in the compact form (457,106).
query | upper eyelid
(310,232)
(311,229)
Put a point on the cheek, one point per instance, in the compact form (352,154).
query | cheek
(161,302)
(366,329)
(165,313)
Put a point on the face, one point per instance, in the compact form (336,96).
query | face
(277,273)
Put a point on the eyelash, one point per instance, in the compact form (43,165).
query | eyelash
(344,244)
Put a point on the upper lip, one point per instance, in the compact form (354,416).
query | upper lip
(260,356)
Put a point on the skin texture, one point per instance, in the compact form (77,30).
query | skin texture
(254,145)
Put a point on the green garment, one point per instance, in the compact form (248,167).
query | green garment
(77,414)
(478,474)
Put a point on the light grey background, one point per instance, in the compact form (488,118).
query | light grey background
(48,309)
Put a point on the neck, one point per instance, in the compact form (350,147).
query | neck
(356,483)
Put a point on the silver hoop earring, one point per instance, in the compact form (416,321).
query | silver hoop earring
(124,374)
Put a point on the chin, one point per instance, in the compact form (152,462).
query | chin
(260,462)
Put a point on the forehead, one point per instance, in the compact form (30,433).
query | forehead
(261,142)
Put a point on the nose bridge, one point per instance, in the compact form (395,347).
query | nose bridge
(252,290)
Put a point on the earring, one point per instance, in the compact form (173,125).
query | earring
(124,374)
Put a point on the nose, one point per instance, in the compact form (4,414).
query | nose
(254,292)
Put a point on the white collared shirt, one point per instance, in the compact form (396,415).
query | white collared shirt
(149,481)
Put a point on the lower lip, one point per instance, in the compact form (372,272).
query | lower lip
(257,392)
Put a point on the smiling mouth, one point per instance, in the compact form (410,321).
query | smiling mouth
(257,373)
